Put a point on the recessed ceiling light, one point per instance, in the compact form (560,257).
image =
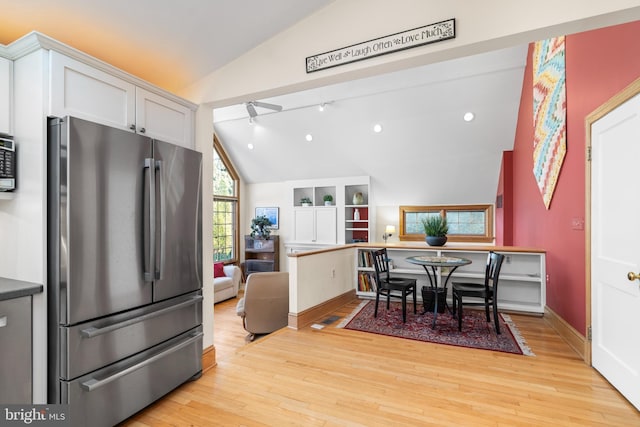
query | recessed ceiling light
(250,146)
(309,137)
(321,107)
(377,128)
(469,116)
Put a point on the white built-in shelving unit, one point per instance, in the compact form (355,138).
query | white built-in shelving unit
(522,285)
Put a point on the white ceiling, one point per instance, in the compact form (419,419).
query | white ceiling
(170,43)
(425,152)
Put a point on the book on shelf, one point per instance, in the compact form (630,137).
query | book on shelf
(366,282)
(366,258)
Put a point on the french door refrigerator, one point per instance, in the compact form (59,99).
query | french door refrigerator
(124,269)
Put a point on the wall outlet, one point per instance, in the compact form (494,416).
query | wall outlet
(548,280)
(577,223)
(333,273)
(507,259)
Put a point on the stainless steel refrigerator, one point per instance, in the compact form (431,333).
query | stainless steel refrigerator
(124,269)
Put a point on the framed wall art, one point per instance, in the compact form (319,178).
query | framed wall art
(271,213)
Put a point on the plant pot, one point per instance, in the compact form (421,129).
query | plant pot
(327,203)
(436,240)
(306,204)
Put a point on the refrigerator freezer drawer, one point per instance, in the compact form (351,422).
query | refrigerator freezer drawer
(92,345)
(112,394)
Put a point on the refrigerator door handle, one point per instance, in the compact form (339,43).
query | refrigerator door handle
(161,230)
(94,384)
(149,221)
(94,332)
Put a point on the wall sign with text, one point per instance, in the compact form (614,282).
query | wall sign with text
(439,31)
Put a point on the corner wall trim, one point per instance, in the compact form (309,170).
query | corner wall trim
(302,319)
(208,358)
(575,339)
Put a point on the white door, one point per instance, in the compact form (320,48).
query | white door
(615,248)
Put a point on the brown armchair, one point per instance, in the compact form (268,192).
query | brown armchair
(265,305)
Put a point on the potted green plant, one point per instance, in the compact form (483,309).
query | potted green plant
(260,227)
(305,201)
(328,198)
(435,230)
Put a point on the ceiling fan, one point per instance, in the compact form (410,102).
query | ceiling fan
(252,110)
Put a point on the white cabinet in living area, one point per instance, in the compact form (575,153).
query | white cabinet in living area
(80,90)
(6,84)
(315,225)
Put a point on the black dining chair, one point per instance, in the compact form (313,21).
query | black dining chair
(392,287)
(487,291)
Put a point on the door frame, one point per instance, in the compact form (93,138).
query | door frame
(615,101)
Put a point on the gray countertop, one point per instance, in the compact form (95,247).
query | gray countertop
(10,288)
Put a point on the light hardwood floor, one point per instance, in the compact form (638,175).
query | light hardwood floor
(337,377)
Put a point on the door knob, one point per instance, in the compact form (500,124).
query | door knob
(633,276)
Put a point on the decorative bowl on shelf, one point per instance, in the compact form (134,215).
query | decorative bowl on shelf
(358,198)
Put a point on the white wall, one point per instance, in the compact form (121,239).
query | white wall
(316,278)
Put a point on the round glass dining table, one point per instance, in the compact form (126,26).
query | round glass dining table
(431,264)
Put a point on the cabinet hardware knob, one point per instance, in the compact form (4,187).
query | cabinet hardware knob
(633,276)
(132,127)
(142,130)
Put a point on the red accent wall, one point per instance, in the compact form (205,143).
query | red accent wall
(599,64)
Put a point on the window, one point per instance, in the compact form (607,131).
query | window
(225,207)
(467,223)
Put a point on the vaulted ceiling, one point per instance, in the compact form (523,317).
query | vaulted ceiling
(425,148)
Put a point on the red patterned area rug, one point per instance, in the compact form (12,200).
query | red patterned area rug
(476,332)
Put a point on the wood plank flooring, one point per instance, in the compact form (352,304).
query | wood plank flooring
(337,377)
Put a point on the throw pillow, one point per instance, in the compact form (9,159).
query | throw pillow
(218,269)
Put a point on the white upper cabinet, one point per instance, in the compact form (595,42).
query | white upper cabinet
(5,95)
(80,90)
(315,225)
(163,119)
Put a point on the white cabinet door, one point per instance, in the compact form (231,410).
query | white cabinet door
(82,91)
(163,119)
(303,225)
(325,225)
(5,95)
(315,225)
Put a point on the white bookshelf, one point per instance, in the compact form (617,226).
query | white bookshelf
(522,285)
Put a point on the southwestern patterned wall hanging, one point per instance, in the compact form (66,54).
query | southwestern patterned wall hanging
(549,114)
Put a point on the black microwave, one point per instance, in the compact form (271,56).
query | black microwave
(8,163)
